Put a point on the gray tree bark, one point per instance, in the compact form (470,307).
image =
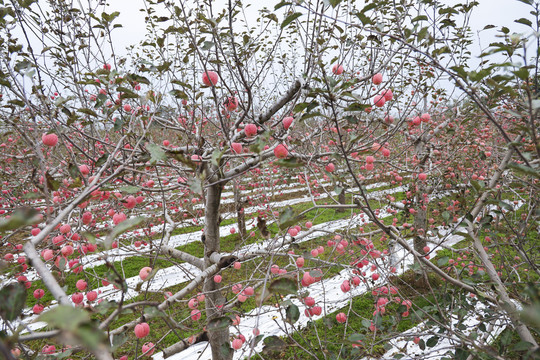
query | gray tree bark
(239,208)
(218,338)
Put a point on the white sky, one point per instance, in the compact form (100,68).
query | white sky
(495,12)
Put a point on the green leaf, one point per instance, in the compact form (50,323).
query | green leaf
(89,335)
(420,18)
(506,206)
(524,21)
(522,346)
(351,119)
(281,4)
(366,323)
(478,185)
(446,216)
(77,183)
(195,185)
(87,111)
(208,45)
(102,160)
(73,171)
(179,94)
(289,19)
(130,189)
(460,71)
(506,337)
(219,323)
(486,220)
(122,228)
(287,218)
(156,153)
(283,286)
(64,317)
(363,18)
(104,306)
(334,3)
(127,93)
(432,341)
(524,169)
(100,100)
(51,182)
(118,340)
(522,73)
(461,354)
(32,196)
(357,107)
(290,162)
(300,107)
(12,301)
(355,338)
(273,343)
(443,261)
(152,312)
(19,218)
(292,313)
(226,350)
(216,157)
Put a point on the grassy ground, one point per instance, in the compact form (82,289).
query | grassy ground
(322,338)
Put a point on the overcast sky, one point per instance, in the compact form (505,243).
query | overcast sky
(495,12)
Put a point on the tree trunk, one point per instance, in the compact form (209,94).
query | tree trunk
(218,338)
(239,207)
(420,215)
(341,199)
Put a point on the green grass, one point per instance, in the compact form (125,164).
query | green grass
(332,334)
